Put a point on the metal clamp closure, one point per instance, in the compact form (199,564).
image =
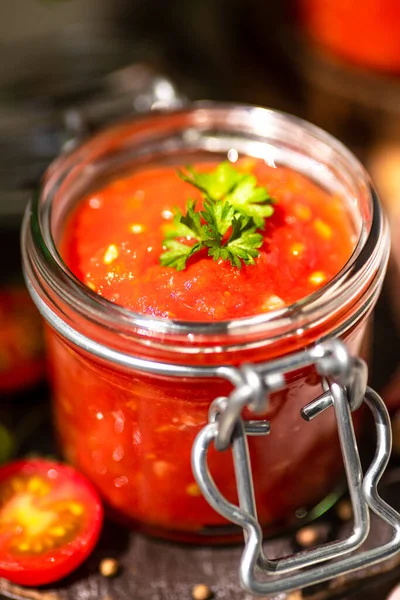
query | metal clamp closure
(344,381)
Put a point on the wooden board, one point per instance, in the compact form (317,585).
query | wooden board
(155,570)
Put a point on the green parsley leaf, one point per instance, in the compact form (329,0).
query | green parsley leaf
(215,184)
(243,242)
(176,254)
(232,201)
(218,215)
(239,189)
(186,226)
(191,220)
(251,200)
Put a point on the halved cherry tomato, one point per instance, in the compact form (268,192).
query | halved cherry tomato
(50,521)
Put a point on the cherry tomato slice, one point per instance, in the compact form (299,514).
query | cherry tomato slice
(50,521)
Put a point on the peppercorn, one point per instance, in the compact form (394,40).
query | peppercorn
(109,567)
(394,594)
(344,510)
(307,537)
(297,595)
(201,592)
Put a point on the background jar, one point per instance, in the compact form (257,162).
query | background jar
(129,428)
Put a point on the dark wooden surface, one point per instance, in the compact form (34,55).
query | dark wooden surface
(157,570)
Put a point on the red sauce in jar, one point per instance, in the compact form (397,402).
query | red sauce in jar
(132,433)
(113,244)
(365,33)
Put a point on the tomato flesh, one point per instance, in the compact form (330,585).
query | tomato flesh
(50,520)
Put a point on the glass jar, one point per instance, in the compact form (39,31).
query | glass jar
(130,426)
(365,33)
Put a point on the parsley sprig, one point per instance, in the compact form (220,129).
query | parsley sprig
(234,207)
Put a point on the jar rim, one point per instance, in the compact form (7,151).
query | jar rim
(43,262)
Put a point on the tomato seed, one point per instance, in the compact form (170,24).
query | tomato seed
(36,485)
(307,537)
(24,547)
(297,595)
(201,592)
(76,509)
(193,490)
(344,510)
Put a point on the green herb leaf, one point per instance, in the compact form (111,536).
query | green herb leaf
(243,242)
(215,184)
(251,200)
(218,215)
(232,201)
(239,189)
(185,226)
(191,220)
(176,254)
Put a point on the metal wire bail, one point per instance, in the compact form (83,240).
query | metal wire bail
(344,381)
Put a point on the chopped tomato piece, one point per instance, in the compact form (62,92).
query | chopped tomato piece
(50,521)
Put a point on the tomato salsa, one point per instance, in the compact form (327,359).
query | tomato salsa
(114,240)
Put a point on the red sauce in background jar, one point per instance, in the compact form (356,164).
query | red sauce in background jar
(365,33)
(131,430)
(22,361)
